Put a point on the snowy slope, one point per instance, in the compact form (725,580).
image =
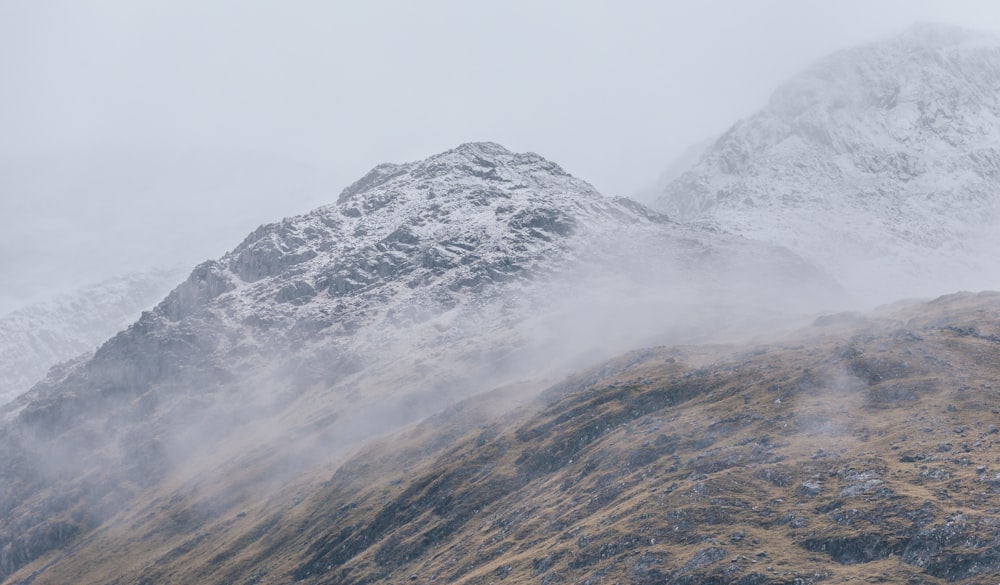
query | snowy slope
(881,163)
(36,337)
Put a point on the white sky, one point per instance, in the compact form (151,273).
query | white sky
(279,104)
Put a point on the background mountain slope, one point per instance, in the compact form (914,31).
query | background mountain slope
(82,215)
(36,337)
(424,284)
(878,163)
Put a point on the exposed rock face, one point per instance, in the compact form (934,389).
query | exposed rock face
(425,283)
(879,163)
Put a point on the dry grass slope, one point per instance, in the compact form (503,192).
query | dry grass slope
(862,449)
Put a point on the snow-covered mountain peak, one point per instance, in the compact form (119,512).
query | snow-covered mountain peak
(879,162)
(452,255)
(426,283)
(927,62)
(422,234)
(449,171)
(478,196)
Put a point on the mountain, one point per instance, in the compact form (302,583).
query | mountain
(878,163)
(424,284)
(36,337)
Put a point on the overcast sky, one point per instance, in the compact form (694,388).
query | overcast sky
(221,115)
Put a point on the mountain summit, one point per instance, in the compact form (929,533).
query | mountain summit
(426,283)
(879,163)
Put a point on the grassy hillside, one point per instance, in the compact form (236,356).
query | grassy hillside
(862,449)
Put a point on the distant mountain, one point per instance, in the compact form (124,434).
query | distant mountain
(425,283)
(36,337)
(879,163)
(681,164)
(66,215)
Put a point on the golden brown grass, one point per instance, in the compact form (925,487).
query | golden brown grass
(858,451)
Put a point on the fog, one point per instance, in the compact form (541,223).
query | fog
(144,135)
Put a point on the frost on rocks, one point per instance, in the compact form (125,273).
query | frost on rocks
(880,163)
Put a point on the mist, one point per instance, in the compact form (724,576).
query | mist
(225,411)
(113,111)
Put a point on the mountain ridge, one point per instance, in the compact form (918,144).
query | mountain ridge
(425,284)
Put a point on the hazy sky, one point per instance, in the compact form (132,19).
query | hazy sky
(228,114)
